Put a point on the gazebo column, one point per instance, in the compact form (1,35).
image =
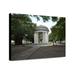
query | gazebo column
(36,38)
(45,37)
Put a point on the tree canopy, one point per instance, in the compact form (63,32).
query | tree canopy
(22,26)
(58,31)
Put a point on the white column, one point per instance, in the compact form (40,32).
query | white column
(43,37)
(36,38)
(46,37)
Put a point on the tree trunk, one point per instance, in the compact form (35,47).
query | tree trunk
(53,43)
(18,41)
(60,41)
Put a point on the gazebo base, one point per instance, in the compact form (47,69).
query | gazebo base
(42,44)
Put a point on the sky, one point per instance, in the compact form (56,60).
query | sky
(48,24)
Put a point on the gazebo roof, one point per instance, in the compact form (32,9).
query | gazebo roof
(42,28)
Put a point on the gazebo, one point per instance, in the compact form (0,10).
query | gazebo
(41,35)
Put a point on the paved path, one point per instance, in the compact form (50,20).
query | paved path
(40,52)
(25,54)
(48,52)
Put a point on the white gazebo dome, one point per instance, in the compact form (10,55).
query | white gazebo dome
(41,28)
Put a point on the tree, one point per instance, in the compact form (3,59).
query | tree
(45,18)
(30,28)
(58,31)
(20,26)
(54,19)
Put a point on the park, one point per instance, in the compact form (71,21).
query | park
(36,36)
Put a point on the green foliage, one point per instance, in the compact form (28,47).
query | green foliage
(21,24)
(45,18)
(54,19)
(58,31)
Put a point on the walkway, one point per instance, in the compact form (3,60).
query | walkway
(37,52)
(25,54)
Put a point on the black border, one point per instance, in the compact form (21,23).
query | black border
(9,36)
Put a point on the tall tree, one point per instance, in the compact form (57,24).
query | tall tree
(20,26)
(58,31)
